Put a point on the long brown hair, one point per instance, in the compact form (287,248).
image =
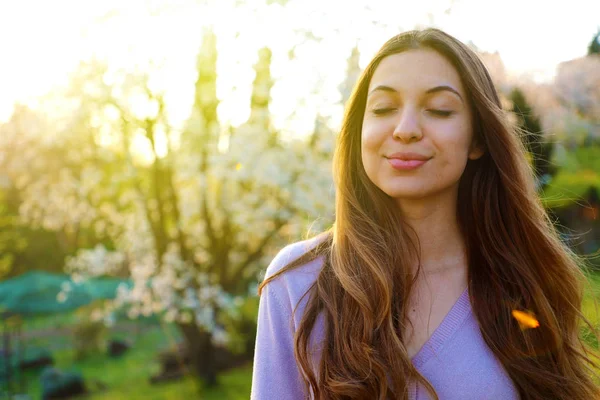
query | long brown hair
(515,261)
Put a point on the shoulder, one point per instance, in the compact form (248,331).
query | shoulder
(292,252)
(291,285)
(276,373)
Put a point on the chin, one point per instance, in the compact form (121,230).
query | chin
(408,192)
(408,196)
(421,191)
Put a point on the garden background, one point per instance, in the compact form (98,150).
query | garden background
(155,155)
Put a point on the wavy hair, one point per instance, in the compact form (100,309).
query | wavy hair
(515,257)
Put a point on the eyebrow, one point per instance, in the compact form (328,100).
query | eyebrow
(435,89)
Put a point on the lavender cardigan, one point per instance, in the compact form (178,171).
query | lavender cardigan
(455,359)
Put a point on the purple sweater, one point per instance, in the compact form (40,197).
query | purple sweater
(455,359)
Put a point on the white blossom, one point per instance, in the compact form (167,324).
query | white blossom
(256,182)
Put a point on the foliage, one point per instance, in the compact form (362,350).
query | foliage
(28,155)
(191,214)
(577,90)
(594,47)
(241,326)
(89,336)
(579,169)
(23,247)
(540,149)
(11,243)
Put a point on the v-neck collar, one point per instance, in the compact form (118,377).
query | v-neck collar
(451,322)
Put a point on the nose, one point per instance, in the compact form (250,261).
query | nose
(408,127)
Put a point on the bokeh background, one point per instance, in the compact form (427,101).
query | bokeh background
(155,155)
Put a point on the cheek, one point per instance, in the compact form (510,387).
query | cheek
(458,140)
(370,147)
(373,134)
(465,149)
(452,145)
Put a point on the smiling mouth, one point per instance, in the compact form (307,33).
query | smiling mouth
(403,165)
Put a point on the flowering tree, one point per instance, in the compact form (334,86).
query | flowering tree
(196,218)
(577,89)
(28,151)
(571,113)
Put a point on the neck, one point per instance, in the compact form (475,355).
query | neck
(435,224)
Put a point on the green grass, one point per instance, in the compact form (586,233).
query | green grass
(591,309)
(128,377)
(592,291)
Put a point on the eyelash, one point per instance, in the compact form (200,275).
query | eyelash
(440,113)
(381,111)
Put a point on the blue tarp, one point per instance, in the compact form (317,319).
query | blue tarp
(37,292)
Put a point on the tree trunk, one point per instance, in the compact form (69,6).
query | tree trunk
(202,353)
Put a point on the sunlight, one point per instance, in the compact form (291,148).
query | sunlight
(307,72)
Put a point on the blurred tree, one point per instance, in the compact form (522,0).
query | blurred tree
(497,70)
(260,117)
(12,244)
(27,246)
(594,46)
(573,199)
(353,71)
(578,171)
(197,215)
(540,150)
(577,90)
(573,117)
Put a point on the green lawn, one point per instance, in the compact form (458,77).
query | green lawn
(591,292)
(590,309)
(127,377)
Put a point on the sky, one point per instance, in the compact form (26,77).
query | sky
(42,42)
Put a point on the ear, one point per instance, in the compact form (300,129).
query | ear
(476,150)
(476,153)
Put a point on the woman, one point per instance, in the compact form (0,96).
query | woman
(439,243)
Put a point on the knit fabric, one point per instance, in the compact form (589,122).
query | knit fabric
(455,359)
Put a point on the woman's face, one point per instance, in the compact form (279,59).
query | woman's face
(416,105)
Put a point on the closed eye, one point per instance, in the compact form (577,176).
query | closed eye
(441,113)
(382,111)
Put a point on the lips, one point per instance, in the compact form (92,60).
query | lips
(407,156)
(405,161)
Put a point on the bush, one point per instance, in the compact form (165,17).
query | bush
(88,338)
(241,328)
(59,385)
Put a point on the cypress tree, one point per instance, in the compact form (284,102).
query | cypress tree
(540,150)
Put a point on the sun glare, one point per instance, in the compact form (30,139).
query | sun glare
(310,41)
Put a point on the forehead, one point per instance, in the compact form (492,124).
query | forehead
(415,70)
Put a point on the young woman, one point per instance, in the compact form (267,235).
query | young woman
(442,277)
